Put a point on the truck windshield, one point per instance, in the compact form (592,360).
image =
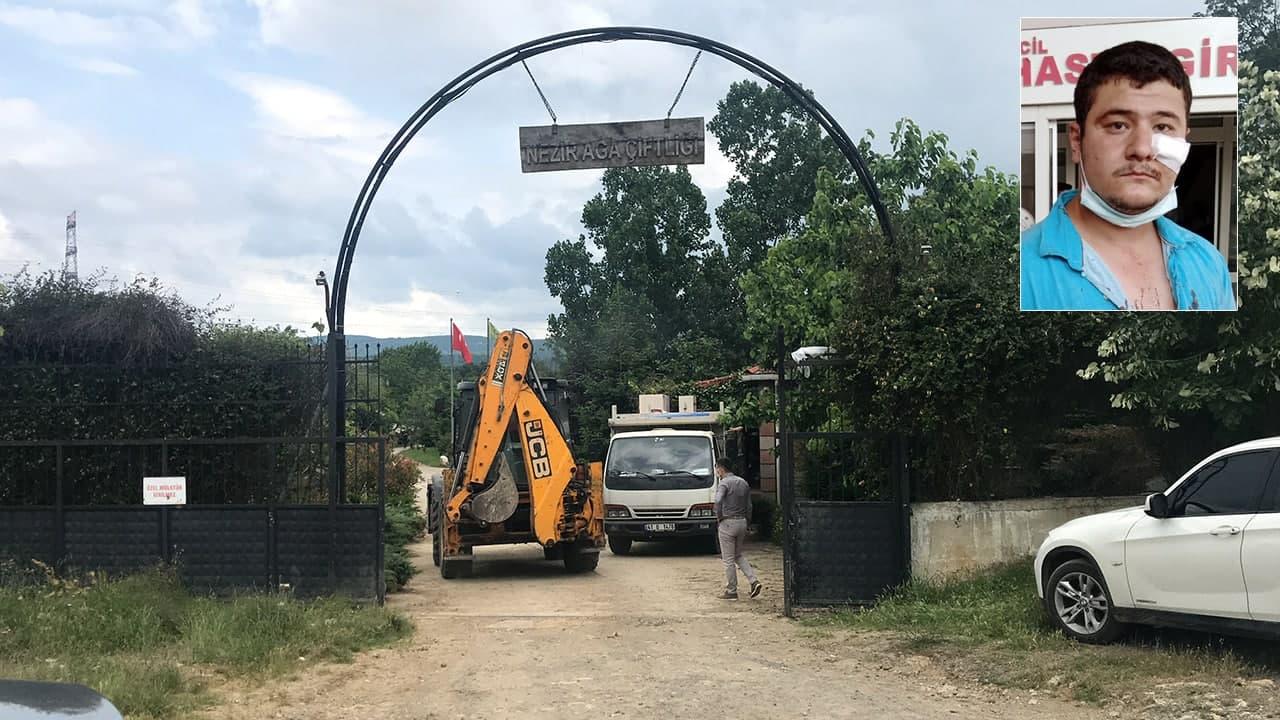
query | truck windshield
(659,463)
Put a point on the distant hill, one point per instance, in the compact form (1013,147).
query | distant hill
(543,358)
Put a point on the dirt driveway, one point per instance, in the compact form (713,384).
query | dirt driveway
(643,637)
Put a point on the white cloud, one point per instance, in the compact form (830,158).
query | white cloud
(460,34)
(253,207)
(64,27)
(290,110)
(99,66)
(118,204)
(182,24)
(29,138)
(427,312)
(192,17)
(716,170)
(311,26)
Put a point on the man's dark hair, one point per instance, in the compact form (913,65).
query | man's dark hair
(1140,62)
(723,464)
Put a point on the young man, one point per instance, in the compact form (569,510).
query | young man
(1108,245)
(733,509)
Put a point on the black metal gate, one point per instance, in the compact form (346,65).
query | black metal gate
(847,532)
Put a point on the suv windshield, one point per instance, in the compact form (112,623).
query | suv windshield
(659,463)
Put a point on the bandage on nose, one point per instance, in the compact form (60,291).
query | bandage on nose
(1170,151)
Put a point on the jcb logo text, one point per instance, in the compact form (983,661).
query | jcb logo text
(537,449)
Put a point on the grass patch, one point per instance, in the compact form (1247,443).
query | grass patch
(989,626)
(140,640)
(426,455)
(997,605)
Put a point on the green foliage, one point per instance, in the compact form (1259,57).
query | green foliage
(137,639)
(362,475)
(662,306)
(988,625)
(87,359)
(429,455)
(51,317)
(932,343)
(404,521)
(1259,26)
(405,524)
(610,359)
(747,409)
(84,360)
(415,384)
(997,603)
(777,151)
(1219,372)
(766,518)
(640,317)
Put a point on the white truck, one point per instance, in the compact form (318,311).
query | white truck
(659,473)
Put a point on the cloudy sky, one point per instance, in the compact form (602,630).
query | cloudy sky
(219,144)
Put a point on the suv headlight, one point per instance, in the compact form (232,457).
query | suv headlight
(702,511)
(616,511)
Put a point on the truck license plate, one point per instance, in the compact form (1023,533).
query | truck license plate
(660,527)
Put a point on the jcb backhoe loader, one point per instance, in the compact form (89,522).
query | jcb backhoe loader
(515,479)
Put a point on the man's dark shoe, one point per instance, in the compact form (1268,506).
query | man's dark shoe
(729,596)
(756,587)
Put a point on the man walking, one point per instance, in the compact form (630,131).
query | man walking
(733,508)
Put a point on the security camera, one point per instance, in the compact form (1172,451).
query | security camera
(811,352)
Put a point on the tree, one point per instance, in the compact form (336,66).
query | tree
(645,276)
(1259,24)
(416,385)
(1217,376)
(933,341)
(777,151)
(89,360)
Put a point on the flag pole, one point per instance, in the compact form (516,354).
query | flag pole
(452,443)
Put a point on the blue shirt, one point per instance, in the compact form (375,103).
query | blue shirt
(1061,272)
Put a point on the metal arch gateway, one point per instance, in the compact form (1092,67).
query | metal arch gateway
(336,306)
(460,85)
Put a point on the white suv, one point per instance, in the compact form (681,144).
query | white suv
(1204,554)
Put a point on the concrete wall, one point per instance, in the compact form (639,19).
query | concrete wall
(947,537)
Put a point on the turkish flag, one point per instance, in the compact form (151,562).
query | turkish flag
(460,344)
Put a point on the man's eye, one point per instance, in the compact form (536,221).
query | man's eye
(1117,125)
(1164,128)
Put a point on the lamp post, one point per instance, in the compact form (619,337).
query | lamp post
(335,354)
(323,282)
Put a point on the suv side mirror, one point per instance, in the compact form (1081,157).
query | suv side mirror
(1157,505)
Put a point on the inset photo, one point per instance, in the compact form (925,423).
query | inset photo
(1128,174)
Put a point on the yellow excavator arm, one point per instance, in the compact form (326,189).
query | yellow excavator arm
(562,494)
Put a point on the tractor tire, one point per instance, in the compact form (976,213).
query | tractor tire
(578,561)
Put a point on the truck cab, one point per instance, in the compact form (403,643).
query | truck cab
(659,475)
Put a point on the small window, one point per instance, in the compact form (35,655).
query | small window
(1230,485)
(1271,501)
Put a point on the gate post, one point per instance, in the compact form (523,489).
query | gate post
(59,512)
(902,464)
(337,371)
(380,577)
(782,458)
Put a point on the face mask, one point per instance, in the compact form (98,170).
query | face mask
(1170,152)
